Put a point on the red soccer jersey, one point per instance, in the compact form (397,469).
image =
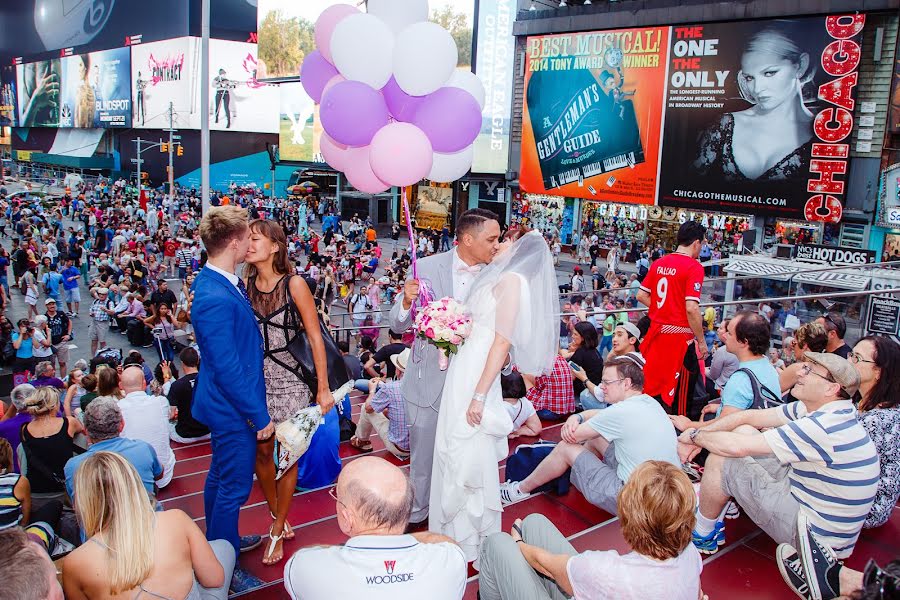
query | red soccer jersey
(671,281)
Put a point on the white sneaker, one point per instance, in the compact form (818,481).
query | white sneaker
(732,511)
(510,492)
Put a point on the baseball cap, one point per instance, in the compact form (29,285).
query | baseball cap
(632,330)
(102,290)
(49,301)
(843,373)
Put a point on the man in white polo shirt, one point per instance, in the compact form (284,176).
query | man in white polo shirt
(374,500)
(815,459)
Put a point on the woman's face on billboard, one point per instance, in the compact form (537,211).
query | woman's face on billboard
(770,79)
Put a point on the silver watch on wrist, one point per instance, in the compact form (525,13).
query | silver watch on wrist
(479,397)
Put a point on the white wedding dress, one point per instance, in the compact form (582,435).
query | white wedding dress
(514,296)
(465,488)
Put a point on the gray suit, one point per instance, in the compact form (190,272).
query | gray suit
(423,382)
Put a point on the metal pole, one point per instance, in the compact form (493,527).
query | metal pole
(138,141)
(171,152)
(204,103)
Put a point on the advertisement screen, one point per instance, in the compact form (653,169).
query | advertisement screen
(759,115)
(299,129)
(238,100)
(494,67)
(95,90)
(593,109)
(8,96)
(161,74)
(39,93)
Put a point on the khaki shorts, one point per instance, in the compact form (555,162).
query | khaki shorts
(97,331)
(62,352)
(761,486)
(598,478)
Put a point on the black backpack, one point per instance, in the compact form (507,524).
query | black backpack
(763,397)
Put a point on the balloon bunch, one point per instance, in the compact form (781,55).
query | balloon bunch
(393,105)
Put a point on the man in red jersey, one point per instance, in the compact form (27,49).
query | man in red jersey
(674,343)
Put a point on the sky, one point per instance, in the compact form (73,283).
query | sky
(311,9)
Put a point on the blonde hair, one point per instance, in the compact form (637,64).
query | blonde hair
(44,400)
(110,500)
(656,508)
(220,225)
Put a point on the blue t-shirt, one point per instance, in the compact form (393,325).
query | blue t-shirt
(52,280)
(26,349)
(738,391)
(69,281)
(140,454)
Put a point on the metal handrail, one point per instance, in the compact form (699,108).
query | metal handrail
(705,304)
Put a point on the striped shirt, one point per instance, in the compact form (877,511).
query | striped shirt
(834,469)
(10,506)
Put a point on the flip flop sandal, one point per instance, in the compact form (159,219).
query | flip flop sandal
(270,549)
(361,446)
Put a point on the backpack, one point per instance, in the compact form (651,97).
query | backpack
(525,460)
(763,397)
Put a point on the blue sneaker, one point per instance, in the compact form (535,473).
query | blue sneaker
(709,544)
(249,542)
(244,581)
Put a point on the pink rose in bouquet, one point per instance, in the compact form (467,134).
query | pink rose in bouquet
(446,324)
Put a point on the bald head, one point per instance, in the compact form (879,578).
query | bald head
(378,492)
(132,380)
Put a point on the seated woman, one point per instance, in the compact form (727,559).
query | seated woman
(656,508)
(15,504)
(48,441)
(521,410)
(131,550)
(810,337)
(582,351)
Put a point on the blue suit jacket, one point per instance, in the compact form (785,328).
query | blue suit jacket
(231,390)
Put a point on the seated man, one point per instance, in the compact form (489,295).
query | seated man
(815,458)
(374,500)
(655,508)
(185,429)
(29,573)
(552,395)
(103,423)
(632,430)
(45,375)
(147,418)
(385,411)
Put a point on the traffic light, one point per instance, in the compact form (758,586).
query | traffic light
(164,148)
(180,149)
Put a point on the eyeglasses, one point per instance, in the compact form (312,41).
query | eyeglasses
(609,382)
(333,493)
(857,358)
(806,369)
(874,576)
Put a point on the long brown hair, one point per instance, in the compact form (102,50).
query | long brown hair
(275,234)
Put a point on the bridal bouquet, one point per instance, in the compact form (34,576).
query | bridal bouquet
(446,324)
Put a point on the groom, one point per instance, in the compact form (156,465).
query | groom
(446,274)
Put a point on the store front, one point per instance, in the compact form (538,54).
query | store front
(551,215)
(431,205)
(724,231)
(787,231)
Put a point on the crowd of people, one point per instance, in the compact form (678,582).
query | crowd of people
(675,420)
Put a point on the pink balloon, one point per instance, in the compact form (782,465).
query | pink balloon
(400,154)
(359,172)
(335,154)
(326,23)
(332,82)
(315,74)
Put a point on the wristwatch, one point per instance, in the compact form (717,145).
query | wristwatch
(693,436)
(580,418)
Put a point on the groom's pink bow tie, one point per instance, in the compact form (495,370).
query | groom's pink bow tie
(464,268)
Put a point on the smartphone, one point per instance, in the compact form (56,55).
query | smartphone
(574,366)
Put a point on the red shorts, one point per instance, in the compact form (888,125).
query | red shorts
(664,353)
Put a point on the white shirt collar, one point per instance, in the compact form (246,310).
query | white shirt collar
(231,277)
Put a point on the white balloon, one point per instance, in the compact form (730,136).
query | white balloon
(362,47)
(450,167)
(469,81)
(425,57)
(399,14)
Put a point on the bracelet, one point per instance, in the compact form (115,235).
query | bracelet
(519,541)
(580,418)
(479,397)
(693,435)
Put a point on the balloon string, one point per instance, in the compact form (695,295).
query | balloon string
(424,294)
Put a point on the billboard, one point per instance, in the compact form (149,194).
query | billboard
(161,74)
(592,114)
(494,62)
(39,93)
(299,129)
(759,115)
(8,96)
(238,100)
(95,91)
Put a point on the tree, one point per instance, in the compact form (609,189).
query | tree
(457,23)
(279,50)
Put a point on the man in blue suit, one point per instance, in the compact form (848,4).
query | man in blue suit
(231,395)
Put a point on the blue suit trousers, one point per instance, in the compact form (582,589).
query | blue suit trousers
(228,483)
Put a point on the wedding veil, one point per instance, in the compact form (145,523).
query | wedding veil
(524,285)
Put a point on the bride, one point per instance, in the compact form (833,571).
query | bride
(514,311)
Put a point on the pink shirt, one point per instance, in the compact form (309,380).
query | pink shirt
(607,574)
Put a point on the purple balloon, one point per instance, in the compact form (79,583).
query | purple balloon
(352,112)
(403,107)
(450,117)
(315,72)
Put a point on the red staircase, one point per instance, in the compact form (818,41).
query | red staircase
(743,569)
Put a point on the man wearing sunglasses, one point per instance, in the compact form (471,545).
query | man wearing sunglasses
(836,327)
(815,459)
